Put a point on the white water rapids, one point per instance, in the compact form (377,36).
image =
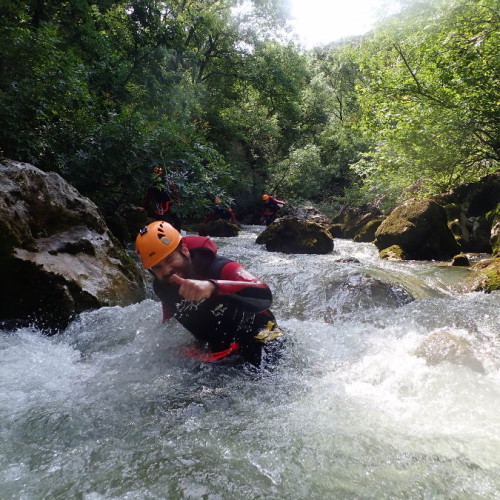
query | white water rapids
(111,410)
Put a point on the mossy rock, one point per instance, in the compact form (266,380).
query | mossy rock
(292,235)
(460,260)
(494,218)
(419,228)
(367,233)
(394,252)
(488,277)
(221,227)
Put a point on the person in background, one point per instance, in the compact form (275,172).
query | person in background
(159,198)
(221,211)
(224,306)
(271,208)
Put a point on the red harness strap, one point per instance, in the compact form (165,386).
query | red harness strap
(210,357)
(163,207)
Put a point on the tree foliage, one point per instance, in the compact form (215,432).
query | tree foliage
(101,91)
(429,96)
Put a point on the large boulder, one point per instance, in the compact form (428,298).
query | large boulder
(470,209)
(292,235)
(220,227)
(306,212)
(126,221)
(57,256)
(419,228)
(494,217)
(367,232)
(352,220)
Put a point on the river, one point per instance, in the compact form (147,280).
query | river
(110,409)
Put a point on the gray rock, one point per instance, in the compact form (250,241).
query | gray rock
(57,256)
(292,235)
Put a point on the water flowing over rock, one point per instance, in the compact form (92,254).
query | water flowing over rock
(292,235)
(419,228)
(57,256)
(444,346)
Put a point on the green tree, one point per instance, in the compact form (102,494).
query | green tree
(430,97)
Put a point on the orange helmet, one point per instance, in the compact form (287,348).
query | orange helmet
(155,242)
(265,197)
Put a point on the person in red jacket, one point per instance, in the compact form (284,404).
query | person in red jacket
(160,197)
(224,306)
(271,208)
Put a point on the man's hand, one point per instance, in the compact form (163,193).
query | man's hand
(193,289)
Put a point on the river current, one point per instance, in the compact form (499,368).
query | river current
(111,409)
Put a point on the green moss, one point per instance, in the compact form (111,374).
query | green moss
(394,252)
(490,271)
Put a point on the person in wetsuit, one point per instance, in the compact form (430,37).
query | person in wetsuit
(224,306)
(221,211)
(271,209)
(160,197)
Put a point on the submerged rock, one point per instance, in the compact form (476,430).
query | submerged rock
(352,294)
(444,346)
(57,256)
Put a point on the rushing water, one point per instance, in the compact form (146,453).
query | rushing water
(112,410)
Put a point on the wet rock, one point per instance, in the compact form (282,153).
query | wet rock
(126,222)
(394,252)
(470,210)
(359,291)
(309,213)
(348,260)
(460,260)
(354,219)
(419,228)
(444,346)
(291,235)
(494,216)
(367,233)
(485,276)
(219,227)
(57,256)
(335,230)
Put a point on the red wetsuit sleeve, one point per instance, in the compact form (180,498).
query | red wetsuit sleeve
(239,285)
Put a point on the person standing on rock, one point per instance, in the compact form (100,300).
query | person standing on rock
(271,208)
(224,306)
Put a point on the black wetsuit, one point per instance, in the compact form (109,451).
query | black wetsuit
(231,319)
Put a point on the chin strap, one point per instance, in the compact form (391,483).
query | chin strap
(210,357)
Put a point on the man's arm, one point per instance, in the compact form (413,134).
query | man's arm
(238,284)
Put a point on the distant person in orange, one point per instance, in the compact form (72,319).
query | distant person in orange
(271,208)
(221,211)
